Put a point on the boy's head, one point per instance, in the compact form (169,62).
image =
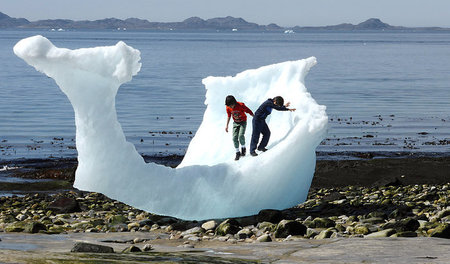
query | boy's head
(278,101)
(230,101)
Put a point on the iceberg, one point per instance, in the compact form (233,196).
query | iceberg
(208,183)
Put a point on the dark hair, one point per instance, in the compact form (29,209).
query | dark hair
(230,100)
(279,100)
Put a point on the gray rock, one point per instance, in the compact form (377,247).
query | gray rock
(131,249)
(34,227)
(64,205)
(320,222)
(267,226)
(373,220)
(361,229)
(145,222)
(210,225)
(91,248)
(383,233)
(442,231)
(289,227)
(405,234)
(377,214)
(187,246)
(269,215)
(324,234)
(95,222)
(310,232)
(147,247)
(443,213)
(15,227)
(408,224)
(138,240)
(21,217)
(195,230)
(244,233)
(229,226)
(118,219)
(264,238)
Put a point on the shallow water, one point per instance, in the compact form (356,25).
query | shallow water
(384,91)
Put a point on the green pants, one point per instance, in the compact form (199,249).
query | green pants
(239,133)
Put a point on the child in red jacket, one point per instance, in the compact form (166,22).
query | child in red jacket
(237,110)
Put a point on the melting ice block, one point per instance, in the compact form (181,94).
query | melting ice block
(208,183)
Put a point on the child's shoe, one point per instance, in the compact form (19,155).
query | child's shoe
(262,149)
(238,155)
(243,151)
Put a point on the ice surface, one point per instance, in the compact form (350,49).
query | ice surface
(208,183)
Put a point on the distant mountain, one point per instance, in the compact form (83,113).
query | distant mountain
(370,24)
(193,23)
(9,22)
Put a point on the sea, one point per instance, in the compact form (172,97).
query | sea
(385,91)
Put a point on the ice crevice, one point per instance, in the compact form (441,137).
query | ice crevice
(208,183)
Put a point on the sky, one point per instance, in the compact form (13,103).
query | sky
(410,13)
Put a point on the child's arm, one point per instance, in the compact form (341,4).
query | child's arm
(247,110)
(228,121)
(287,105)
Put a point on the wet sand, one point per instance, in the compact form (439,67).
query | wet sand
(38,248)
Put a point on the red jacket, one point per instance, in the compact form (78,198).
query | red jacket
(238,112)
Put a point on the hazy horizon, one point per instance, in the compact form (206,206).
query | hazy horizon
(285,13)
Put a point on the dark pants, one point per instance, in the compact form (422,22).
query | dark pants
(259,127)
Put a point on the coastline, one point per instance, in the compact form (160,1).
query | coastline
(335,170)
(377,202)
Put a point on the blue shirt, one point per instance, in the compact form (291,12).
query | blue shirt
(265,109)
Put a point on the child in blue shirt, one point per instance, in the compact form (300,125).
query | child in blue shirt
(259,122)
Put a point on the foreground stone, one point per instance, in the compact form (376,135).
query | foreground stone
(404,211)
(91,248)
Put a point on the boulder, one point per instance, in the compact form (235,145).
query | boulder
(15,227)
(91,248)
(267,226)
(34,227)
(145,222)
(361,229)
(320,222)
(324,234)
(405,234)
(194,230)
(244,233)
(210,225)
(407,224)
(229,226)
(118,219)
(264,238)
(383,233)
(269,215)
(289,227)
(131,249)
(442,231)
(64,205)
(147,247)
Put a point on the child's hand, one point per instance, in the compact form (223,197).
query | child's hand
(287,104)
(226,129)
(292,110)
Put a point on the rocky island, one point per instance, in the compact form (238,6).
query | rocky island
(194,24)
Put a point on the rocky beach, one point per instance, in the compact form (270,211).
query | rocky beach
(362,203)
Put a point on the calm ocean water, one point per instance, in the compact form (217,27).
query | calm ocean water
(384,91)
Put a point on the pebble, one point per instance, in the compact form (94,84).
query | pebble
(352,211)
